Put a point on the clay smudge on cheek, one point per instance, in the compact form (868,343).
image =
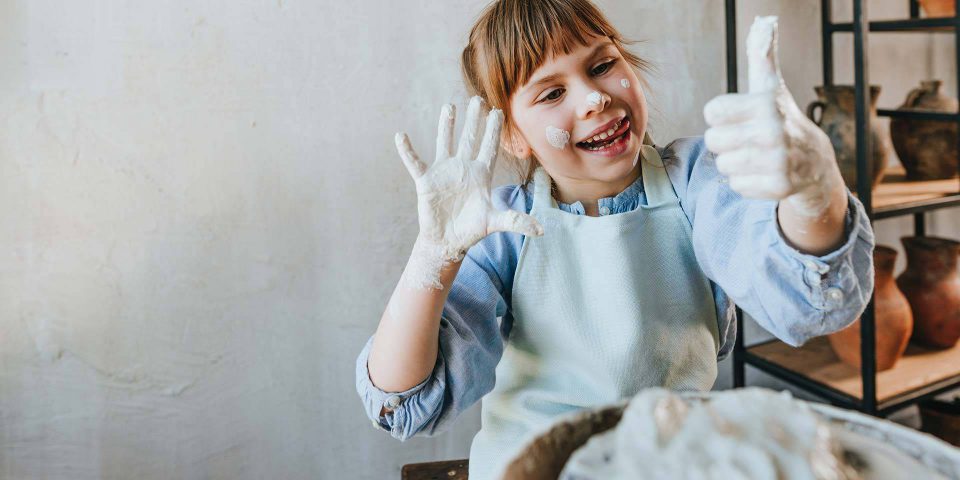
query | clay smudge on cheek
(558,138)
(594,98)
(625,83)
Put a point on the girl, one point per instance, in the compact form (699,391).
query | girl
(618,266)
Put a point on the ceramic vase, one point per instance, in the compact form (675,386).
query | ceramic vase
(837,118)
(892,318)
(932,286)
(927,148)
(939,8)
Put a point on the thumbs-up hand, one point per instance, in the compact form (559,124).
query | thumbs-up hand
(764,143)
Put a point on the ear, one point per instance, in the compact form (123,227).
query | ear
(514,143)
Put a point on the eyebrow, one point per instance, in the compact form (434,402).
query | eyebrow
(553,76)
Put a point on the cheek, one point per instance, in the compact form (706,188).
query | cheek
(557,137)
(628,87)
(548,132)
(622,79)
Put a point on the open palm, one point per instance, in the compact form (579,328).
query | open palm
(453,194)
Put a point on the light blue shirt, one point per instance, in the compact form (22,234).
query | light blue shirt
(738,245)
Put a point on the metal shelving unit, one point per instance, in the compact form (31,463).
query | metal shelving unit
(927,373)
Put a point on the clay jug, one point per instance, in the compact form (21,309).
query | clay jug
(927,148)
(892,317)
(931,284)
(939,8)
(837,119)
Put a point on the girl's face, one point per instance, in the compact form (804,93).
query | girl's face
(590,90)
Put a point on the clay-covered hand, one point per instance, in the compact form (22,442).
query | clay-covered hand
(453,195)
(764,143)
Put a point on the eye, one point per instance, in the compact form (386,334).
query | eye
(553,95)
(604,67)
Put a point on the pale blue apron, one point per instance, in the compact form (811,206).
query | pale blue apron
(603,307)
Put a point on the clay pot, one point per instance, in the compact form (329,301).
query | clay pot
(939,8)
(927,148)
(837,119)
(932,286)
(892,317)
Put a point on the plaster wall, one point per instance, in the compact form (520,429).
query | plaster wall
(204,215)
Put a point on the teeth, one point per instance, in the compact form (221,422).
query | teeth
(604,135)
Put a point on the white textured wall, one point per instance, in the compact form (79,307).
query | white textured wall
(203,216)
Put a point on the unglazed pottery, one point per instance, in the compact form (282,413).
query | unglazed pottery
(927,148)
(893,319)
(883,449)
(939,8)
(932,287)
(837,118)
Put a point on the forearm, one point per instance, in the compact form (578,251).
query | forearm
(404,349)
(820,234)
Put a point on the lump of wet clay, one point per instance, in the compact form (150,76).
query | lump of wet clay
(748,433)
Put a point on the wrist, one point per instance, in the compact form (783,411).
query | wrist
(815,235)
(428,261)
(437,249)
(816,198)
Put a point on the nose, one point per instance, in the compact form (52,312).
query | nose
(593,103)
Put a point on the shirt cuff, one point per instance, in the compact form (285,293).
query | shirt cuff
(376,399)
(839,283)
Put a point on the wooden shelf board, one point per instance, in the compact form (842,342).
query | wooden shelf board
(895,189)
(918,368)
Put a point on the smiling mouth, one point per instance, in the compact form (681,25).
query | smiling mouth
(608,138)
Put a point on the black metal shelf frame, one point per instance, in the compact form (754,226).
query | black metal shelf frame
(860,28)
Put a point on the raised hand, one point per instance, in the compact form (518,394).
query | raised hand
(764,143)
(453,194)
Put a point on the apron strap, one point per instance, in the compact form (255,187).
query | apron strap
(656,183)
(542,186)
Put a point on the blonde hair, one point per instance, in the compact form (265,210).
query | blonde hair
(512,38)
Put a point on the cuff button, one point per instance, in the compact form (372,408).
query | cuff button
(835,295)
(393,401)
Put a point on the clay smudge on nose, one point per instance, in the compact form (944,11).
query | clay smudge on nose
(594,98)
(557,137)
(625,83)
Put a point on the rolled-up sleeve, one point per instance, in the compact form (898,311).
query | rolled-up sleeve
(407,411)
(800,296)
(838,285)
(472,334)
(740,246)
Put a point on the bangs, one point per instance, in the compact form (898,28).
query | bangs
(515,37)
(544,29)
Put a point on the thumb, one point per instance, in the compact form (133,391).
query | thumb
(514,221)
(763,64)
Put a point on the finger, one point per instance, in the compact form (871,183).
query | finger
(769,187)
(471,128)
(738,107)
(410,158)
(514,221)
(491,139)
(763,64)
(751,161)
(726,138)
(448,114)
